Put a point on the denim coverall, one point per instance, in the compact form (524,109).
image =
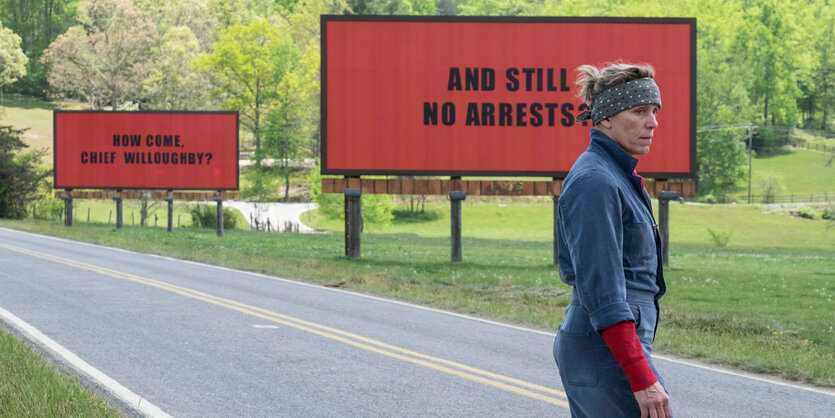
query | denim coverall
(610,252)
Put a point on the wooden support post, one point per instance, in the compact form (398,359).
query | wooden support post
(353,222)
(67,198)
(219,201)
(664,224)
(170,201)
(118,200)
(455,198)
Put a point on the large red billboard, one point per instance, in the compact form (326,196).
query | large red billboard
(146,150)
(491,96)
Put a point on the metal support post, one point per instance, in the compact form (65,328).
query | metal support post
(455,223)
(68,204)
(353,222)
(664,224)
(118,200)
(556,224)
(170,201)
(219,201)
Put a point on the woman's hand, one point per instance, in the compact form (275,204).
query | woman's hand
(654,402)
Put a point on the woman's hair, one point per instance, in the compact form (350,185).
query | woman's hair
(593,81)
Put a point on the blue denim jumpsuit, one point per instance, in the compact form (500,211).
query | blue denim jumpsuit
(610,252)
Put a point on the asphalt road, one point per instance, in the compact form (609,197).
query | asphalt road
(200,341)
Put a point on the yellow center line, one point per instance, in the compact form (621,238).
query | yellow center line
(435,363)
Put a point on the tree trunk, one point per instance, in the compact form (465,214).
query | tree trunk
(143,212)
(287,185)
(257,123)
(765,109)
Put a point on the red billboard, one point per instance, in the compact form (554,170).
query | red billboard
(146,150)
(491,96)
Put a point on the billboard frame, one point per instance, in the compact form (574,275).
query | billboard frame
(214,112)
(324,19)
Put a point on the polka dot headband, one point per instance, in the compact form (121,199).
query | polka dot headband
(621,97)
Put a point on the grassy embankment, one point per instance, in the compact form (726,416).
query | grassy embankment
(762,303)
(31,387)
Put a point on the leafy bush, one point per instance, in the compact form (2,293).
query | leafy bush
(376,208)
(769,187)
(804,212)
(46,206)
(828,213)
(205,216)
(709,198)
(20,174)
(261,185)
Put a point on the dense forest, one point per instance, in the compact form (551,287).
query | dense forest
(763,63)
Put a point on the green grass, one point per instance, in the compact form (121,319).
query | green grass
(749,226)
(34,115)
(31,387)
(762,303)
(800,171)
(764,310)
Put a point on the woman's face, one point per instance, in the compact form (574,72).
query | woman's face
(632,129)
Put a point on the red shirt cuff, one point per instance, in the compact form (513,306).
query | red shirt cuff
(626,347)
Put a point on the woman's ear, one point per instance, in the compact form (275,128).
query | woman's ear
(606,123)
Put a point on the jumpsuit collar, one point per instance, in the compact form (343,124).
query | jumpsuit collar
(602,142)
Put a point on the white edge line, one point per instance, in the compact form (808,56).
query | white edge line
(425,308)
(743,375)
(111,386)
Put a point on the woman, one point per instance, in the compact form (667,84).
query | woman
(609,251)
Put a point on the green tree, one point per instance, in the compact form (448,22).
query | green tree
(37,22)
(20,173)
(304,24)
(240,12)
(723,82)
(769,39)
(391,7)
(12,59)
(249,61)
(105,60)
(283,128)
(500,7)
(196,15)
(174,83)
(819,82)
(721,158)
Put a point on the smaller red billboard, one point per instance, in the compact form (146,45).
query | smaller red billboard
(146,150)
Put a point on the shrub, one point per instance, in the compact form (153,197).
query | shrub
(376,208)
(46,206)
(804,212)
(720,239)
(769,187)
(709,198)
(205,216)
